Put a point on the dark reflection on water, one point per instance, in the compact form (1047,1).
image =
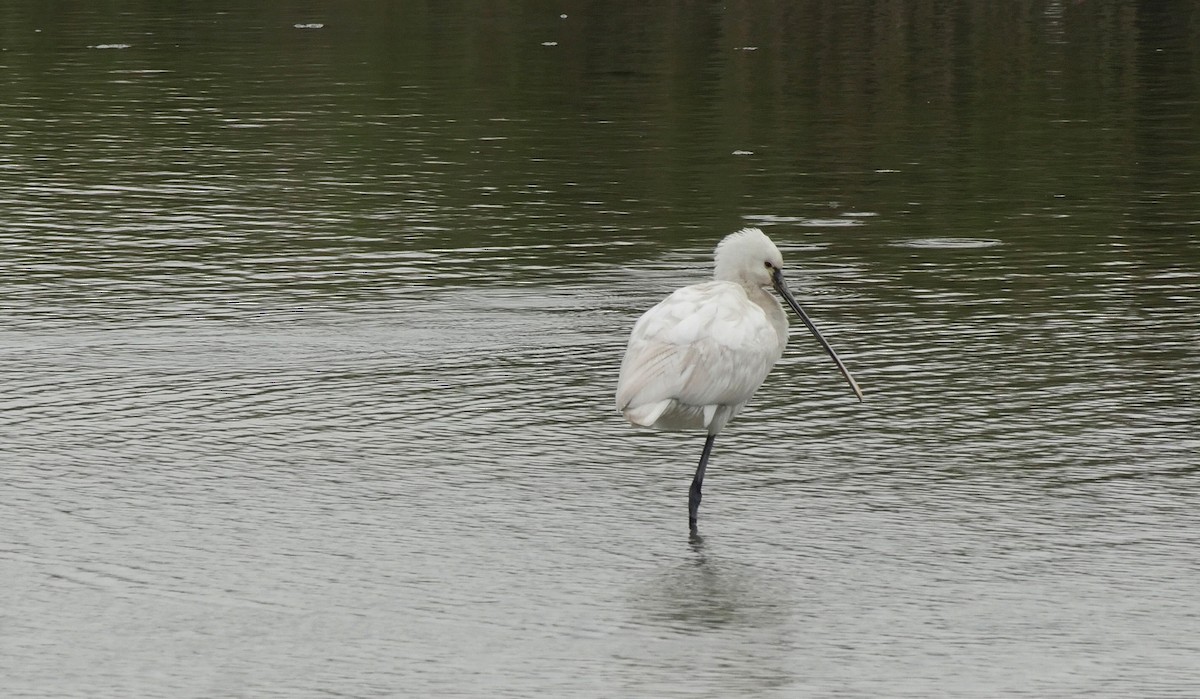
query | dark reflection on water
(701,594)
(309,337)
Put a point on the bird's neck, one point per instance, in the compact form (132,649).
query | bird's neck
(771,308)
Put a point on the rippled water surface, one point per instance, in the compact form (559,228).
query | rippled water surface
(310,319)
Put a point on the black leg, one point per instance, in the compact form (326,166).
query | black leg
(694,493)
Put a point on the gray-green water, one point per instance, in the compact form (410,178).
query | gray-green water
(310,317)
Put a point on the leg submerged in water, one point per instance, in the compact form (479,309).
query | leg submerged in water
(697,482)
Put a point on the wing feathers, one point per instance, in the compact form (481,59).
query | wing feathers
(702,347)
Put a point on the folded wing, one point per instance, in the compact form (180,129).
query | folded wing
(695,358)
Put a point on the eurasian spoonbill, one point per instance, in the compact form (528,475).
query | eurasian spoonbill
(696,359)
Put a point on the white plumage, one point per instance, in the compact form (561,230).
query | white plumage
(695,359)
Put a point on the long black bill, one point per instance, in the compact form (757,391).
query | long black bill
(781,287)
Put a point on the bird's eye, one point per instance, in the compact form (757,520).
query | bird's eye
(767,264)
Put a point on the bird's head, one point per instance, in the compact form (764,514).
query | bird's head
(749,258)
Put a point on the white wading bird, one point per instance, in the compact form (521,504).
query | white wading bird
(696,359)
